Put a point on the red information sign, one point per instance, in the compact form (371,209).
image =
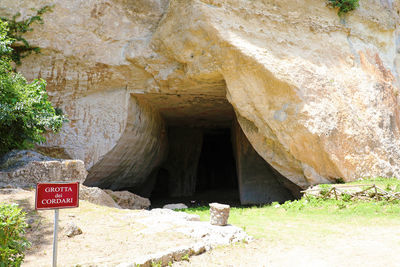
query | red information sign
(57,195)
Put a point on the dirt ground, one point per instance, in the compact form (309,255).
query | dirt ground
(365,246)
(112,236)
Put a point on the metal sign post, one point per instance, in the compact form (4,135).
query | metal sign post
(56,196)
(55,237)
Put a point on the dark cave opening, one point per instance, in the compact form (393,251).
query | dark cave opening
(211,178)
(216,168)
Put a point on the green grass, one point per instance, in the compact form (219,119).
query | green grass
(313,218)
(392,184)
(389,184)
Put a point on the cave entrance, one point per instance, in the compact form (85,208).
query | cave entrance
(207,156)
(189,148)
(200,169)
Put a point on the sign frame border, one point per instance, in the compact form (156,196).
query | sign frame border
(53,208)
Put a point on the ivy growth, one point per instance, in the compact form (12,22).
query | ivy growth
(20,46)
(25,111)
(343,6)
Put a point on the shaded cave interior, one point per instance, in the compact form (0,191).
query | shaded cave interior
(207,158)
(208,174)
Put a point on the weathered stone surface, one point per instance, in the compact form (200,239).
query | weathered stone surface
(128,200)
(97,196)
(258,181)
(219,214)
(312,114)
(177,206)
(141,148)
(317,96)
(24,168)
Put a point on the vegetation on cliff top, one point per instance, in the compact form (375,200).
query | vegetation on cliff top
(25,111)
(343,6)
(17,28)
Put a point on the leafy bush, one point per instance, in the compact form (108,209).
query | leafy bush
(25,111)
(343,6)
(346,197)
(325,188)
(12,240)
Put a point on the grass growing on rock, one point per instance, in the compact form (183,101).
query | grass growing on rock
(313,217)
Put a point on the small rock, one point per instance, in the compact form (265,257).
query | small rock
(177,206)
(30,221)
(219,214)
(72,230)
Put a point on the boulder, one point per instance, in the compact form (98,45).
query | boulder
(25,168)
(128,200)
(97,196)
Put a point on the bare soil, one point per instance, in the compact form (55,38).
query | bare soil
(111,236)
(359,246)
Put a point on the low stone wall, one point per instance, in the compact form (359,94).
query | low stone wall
(27,168)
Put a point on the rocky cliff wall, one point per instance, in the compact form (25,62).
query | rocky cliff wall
(316,95)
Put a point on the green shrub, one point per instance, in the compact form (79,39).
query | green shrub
(25,111)
(325,188)
(343,6)
(12,240)
(339,180)
(346,197)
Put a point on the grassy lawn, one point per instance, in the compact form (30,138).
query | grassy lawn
(314,218)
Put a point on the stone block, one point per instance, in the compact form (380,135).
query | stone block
(219,214)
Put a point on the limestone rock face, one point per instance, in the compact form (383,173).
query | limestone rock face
(258,182)
(26,168)
(316,95)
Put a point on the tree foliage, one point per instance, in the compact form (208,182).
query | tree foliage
(12,241)
(25,111)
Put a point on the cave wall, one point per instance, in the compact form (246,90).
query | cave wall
(258,182)
(182,161)
(140,150)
